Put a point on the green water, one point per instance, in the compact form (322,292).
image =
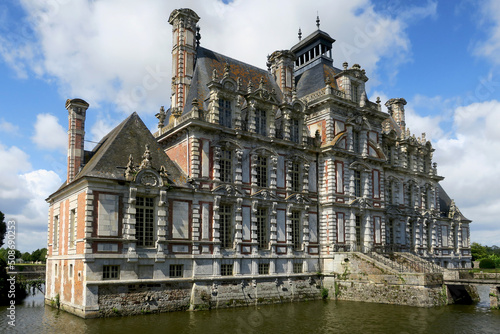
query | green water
(306,317)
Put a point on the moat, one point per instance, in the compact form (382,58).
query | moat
(305,317)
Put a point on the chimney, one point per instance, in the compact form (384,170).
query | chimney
(76,134)
(396,109)
(184,47)
(281,64)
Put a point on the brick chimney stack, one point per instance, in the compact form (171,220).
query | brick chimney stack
(77,109)
(396,109)
(184,46)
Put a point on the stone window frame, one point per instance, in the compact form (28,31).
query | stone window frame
(72,228)
(295,133)
(55,233)
(262,227)
(226,112)
(226,269)
(110,272)
(263,268)
(235,160)
(298,267)
(262,171)
(261,122)
(296,179)
(176,271)
(229,233)
(226,168)
(154,208)
(296,229)
(95,224)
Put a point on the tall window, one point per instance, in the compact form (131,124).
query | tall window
(294,130)
(225,118)
(295,229)
(225,225)
(260,122)
(144,225)
(390,232)
(72,228)
(55,236)
(389,193)
(357,183)
(295,177)
(226,165)
(262,227)
(358,233)
(444,236)
(355,142)
(261,171)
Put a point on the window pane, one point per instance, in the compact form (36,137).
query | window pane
(144,226)
(225,117)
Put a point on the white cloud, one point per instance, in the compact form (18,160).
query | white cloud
(7,127)
(49,134)
(119,51)
(490,18)
(22,197)
(469,162)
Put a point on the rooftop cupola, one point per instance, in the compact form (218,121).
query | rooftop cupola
(315,48)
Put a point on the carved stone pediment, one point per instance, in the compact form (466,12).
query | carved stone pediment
(265,194)
(298,198)
(227,190)
(149,178)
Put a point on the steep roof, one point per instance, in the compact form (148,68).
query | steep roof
(110,156)
(314,79)
(207,61)
(446,205)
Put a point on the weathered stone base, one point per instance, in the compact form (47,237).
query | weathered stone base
(130,298)
(400,294)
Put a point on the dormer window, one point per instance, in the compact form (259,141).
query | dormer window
(355,92)
(260,122)
(225,114)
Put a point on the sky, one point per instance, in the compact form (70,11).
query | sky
(441,56)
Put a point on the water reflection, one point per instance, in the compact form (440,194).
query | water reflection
(306,317)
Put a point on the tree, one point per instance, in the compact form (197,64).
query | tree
(26,257)
(3,228)
(478,251)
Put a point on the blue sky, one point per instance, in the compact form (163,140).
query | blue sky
(441,56)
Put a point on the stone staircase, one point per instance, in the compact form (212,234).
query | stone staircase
(405,262)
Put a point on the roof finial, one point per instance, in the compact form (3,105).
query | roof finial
(198,36)
(317,20)
(300,34)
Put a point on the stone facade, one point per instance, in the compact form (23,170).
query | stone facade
(260,177)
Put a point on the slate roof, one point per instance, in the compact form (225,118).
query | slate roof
(445,204)
(314,79)
(208,60)
(110,156)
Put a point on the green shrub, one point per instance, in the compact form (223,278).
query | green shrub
(487,264)
(324,293)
